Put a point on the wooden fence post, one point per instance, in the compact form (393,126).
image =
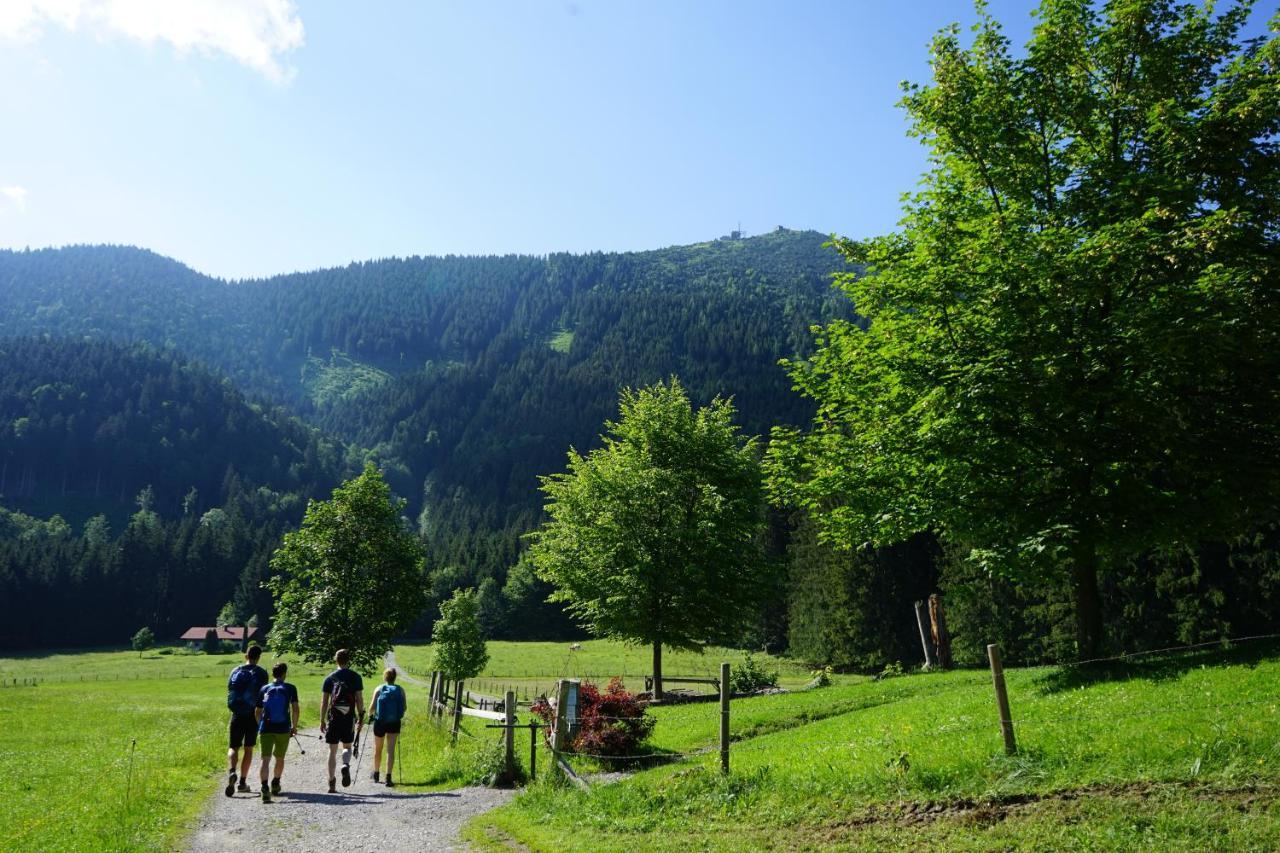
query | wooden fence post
(533,749)
(941,639)
(431,694)
(510,732)
(457,711)
(929,661)
(724,718)
(1002,699)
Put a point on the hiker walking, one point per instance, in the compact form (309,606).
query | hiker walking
(277,714)
(243,686)
(387,709)
(341,709)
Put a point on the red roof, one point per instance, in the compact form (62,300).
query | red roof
(234,633)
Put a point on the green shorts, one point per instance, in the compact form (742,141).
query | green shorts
(273,744)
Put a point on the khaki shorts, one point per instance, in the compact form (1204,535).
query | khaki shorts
(273,743)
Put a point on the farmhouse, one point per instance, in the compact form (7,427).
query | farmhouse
(231,633)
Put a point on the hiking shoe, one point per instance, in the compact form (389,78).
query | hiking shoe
(390,784)
(375,776)
(275,786)
(244,788)
(266,794)
(346,776)
(333,788)
(231,784)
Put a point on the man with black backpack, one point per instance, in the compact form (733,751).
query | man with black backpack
(341,710)
(242,696)
(277,714)
(387,709)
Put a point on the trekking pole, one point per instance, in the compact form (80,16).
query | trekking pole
(301,748)
(356,749)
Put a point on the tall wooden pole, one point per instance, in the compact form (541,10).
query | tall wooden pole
(1002,699)
(941,639)
(929,662)
(724,718)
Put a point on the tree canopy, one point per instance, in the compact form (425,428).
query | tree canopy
(350,577)
(1071,357)
(457,641)
(655,537)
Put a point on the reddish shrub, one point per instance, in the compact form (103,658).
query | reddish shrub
(612,723)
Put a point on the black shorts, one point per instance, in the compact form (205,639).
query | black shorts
(341,729)
(380,728)
(243,731)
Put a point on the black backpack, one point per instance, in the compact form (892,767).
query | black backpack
(242,690)
(340,696)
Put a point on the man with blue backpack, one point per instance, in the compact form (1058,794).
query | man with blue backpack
(277,714)
(387,709)
(242,696)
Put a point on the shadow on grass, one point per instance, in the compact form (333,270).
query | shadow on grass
(1157,666)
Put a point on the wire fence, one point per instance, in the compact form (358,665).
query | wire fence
(986,728)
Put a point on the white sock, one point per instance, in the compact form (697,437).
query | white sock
(346,757)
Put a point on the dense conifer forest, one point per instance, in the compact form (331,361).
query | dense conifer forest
(464,378)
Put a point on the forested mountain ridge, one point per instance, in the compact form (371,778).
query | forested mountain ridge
(165,491)
(466,378)
(396,314)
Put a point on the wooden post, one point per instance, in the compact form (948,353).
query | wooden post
(510,731)
(457,711)
(431,694)
(724,718)
(941,639)
(1002,699)
(929,662)
(533,749)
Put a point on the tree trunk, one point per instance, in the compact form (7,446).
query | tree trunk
(1084,574)
(657,670)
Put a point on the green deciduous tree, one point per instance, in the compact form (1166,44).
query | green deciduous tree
(655,537)
(351,577)
(144,639)
(1072,351)
(457,640)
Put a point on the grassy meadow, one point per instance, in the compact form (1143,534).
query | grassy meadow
(1174,753)
(531,668)
(1177,752)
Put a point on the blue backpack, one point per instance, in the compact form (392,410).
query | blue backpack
(275,706)
(390,705)
(242,690)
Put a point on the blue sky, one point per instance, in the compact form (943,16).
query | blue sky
(250,137)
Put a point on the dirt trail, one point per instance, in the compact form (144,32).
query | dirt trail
(365,816)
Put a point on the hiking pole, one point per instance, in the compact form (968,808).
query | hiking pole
(355,747)
(301,748)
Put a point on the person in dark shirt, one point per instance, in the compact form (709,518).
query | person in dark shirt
(341,710)
(277,714)
(243,731)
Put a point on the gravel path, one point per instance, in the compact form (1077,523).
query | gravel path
(366,816)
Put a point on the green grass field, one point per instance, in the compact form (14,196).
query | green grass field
(532,668)
(1177,753)
(1174,753)
(110,751)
